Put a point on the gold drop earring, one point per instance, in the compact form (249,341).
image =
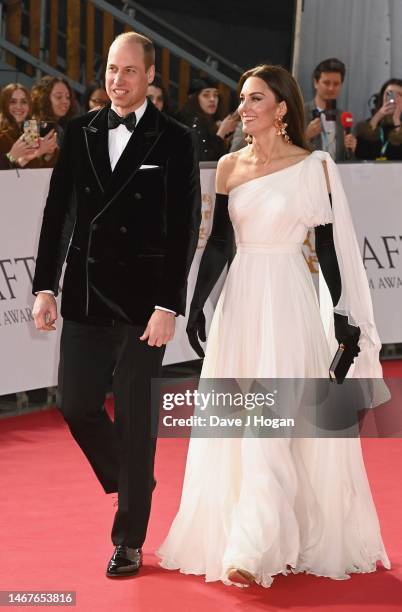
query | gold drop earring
(281,126)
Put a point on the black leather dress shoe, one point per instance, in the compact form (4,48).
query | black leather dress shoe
(125,561)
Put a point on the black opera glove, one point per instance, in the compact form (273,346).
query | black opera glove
(217,253)
(196,330)
(325,248)
(347,334)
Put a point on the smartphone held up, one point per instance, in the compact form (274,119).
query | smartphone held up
(33,130)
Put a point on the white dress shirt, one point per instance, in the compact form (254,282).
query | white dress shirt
(119,137)
(117,141)
(328,134)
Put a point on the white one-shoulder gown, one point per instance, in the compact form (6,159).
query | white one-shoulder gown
(273,506)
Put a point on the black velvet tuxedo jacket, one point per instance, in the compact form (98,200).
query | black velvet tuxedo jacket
(130,234)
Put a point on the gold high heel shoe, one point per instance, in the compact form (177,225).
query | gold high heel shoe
(241,576)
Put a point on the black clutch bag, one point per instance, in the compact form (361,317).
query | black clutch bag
(341,363)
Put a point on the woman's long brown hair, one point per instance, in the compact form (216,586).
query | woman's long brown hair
(42,105)
(285,88)
(7,121)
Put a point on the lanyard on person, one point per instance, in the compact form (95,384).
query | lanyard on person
(324,135)
(383,142)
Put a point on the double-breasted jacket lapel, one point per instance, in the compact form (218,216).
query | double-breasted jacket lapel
(97,145)
(142,141)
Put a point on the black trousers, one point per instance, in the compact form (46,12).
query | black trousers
(122,452)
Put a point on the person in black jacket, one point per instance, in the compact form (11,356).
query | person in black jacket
(126,191)
(202,113)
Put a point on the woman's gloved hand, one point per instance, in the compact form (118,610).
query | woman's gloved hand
(347,334)
(196,330)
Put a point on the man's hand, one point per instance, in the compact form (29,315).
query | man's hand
(313,128)
(44,311)
(160,328)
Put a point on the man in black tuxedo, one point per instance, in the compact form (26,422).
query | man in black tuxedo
(124,206)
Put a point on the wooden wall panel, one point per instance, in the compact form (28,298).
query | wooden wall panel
(73,39)
(90,42)
(34,27)
(13,26)
(165,68)
(224,92)
(54,28)
(108,34)
(184,81)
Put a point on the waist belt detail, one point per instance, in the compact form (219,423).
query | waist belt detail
(278,247)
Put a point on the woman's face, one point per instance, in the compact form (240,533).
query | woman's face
(98,99)
(397,90)
(60,100)
(208,100)
(155,94)
(19,106)
(258,107)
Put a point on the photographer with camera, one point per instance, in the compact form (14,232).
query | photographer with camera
(380,137)
(324,129)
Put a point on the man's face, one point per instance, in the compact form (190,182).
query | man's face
(329,85)
(127,78)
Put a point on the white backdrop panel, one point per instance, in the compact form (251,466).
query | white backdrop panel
(28,359)
(375,197)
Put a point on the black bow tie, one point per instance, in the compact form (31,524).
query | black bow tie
(114,120)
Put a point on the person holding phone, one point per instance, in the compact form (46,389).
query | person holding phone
(21,142)
(53,103)
(380,136)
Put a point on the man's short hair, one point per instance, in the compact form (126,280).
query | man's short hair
(139,39)
(330,65)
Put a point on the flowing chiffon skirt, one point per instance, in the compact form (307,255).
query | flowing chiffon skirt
(267,505)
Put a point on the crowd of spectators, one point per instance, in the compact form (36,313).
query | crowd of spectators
(32,122)
(378,137)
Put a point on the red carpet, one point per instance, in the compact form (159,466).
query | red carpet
(56,522)
(392,368)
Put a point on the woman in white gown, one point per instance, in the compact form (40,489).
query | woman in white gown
(252,508)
